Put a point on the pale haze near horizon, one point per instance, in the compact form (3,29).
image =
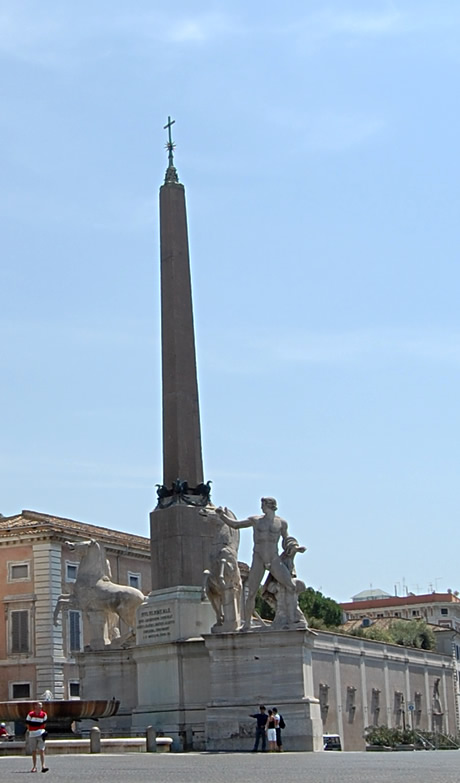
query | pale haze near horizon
(318,145)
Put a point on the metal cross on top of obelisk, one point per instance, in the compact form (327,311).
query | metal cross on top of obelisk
(171,173)
(170,144)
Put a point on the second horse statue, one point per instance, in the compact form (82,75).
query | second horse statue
(102,600)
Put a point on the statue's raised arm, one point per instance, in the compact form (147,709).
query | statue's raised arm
(223,514)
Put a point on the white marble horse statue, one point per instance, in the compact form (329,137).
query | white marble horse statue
(222,581)
(94,593)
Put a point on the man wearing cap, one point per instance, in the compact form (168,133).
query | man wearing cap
(36,724)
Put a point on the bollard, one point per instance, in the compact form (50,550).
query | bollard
(95,740)
(150,740)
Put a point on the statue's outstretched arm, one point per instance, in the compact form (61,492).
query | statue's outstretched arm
(223,514)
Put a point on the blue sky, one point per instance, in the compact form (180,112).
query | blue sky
(318,144)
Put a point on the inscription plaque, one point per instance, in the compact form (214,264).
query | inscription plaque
(155,623)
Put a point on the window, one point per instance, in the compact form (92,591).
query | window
(18,572)
(19,632)
(71,571)
(397,614)
(74,631)
(20,690)
(415,613)
(444,611)
(74,690)
(134,580)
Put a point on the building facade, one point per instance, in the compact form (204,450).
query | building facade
(441,609)
(36,567)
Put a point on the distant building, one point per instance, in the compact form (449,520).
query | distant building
(370,595)
(36,567)
(441,609)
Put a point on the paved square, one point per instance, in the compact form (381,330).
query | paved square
(415,767)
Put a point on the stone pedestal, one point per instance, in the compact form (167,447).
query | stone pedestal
(272,668)
(106,674)
(173,690)
(172,665)
(174,614)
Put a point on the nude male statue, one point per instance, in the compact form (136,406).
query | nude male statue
(267,531)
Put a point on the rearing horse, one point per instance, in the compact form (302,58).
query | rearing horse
(95,594)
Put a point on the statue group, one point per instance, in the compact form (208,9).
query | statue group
(105,603)
(223,583)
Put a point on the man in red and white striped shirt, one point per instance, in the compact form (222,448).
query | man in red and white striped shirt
(36,724)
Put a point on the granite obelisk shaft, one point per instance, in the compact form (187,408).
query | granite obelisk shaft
(182,456)
(180,537)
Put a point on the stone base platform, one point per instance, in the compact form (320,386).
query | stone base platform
(271,668)
(173,690)
(58,747)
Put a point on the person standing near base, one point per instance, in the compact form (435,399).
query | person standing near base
(279,741)
(271,732)
(36,725)
(261,718)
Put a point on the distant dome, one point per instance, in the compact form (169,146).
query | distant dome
(370,595)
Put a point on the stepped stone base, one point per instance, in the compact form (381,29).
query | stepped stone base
(173,690)
(249,669)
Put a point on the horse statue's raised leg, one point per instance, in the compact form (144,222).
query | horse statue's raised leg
(63,604)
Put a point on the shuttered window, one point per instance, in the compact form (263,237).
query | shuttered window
(75,631)
(20,632)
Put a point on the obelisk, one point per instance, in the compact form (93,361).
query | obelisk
(181,416)
(180,536)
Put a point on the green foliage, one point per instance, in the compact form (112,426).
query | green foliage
(389,738)
(408,633)
(317,606)
(321,612)
(262,608)
(413,633)
(373,633)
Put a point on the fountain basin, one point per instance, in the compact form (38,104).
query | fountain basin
(69,710)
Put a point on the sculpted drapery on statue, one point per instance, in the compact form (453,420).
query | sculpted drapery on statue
(103,601)
(282,586)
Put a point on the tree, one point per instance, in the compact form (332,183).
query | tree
(413,633)
(262,608)
(408,633)
(317,606)
(321,612)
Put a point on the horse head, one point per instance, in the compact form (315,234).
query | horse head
(93,563)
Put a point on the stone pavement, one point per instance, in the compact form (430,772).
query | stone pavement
(409,767)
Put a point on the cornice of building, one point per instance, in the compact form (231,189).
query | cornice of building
(32,526)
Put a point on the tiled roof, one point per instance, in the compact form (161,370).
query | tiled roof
(407,600)
(34,522)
